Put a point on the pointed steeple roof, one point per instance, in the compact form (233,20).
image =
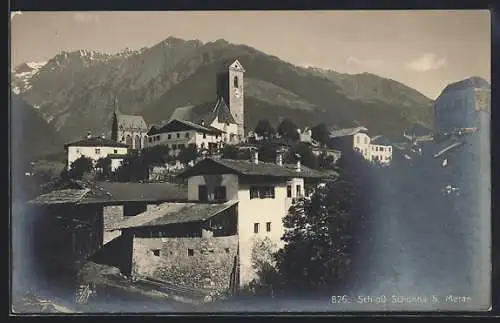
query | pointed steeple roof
(221,112)
(115,103)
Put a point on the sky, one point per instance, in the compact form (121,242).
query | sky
(425,50)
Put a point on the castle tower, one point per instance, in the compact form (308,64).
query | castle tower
(230,86)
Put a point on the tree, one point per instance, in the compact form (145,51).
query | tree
(80,167)
(267,153)
(323,233)
(230,152)
(288,130)
(134,168)
(307,157)
(188,154)
(156,155)
(264,129)
(103,165)
(321,134)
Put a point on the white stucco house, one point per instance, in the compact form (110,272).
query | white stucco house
(178,134)
(381,150)
(96,148)
(263,191)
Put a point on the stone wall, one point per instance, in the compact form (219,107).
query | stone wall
(207,263)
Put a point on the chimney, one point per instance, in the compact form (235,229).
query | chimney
(202,122)
(297,167)
(254,156)
(103,136)
(89,135)
(279,157)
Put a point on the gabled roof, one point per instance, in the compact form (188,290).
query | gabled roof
(115,192)
(380,140)
(127,121)
(96,142)
(171,213)
(248,168)
(221,113)
(183,125)
(347,132)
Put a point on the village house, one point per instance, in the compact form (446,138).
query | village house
(356,139)
(70,223)
(380,150)
(128,129)
(96,148)
(208,241)
(179,134)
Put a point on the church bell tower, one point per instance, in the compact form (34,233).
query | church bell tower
(230,87)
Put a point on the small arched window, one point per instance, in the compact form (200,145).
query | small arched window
(235,81)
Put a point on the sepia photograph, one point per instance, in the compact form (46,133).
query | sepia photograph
(250,161)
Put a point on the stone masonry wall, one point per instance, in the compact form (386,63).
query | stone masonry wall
(209,266)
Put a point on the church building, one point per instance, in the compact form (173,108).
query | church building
(227,113)
(129,129)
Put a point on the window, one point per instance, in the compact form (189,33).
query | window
(178,135)
(115,151)
(98,151)
(150,140)
(204,136)
(156,252)
(169,136)
(202,193)
(357,139)
(190,252)
(158,137)
(186,135)
(299,191)
(263,192)
(255,228)
(174,146)
(268,226)
(180,146)
(220,193)
(366,140)
(227,250)
(235,82)
(289,191)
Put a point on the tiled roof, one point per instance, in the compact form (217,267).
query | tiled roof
(96,142)
(130,191)
(248,168)
(170,213)
(221,112)
(380,140)
(131,121)
(115,192)
(182,125)
(347,132)
(61,197)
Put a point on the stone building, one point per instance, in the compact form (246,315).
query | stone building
(458,105)
(231,205)
(70,223)
(128,129)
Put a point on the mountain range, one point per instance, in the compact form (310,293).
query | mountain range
(74,91)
